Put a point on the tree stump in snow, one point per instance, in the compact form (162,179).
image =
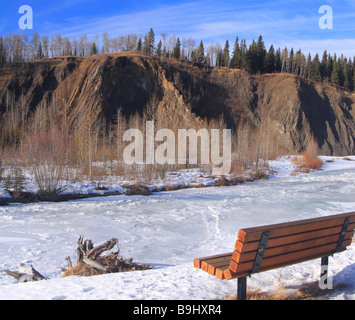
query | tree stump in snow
(90,262)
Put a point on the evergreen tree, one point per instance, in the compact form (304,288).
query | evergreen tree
(278,62)
(334,78)
(329,66)
(252,65)
(308,66)
(260,55)
(323,65)
(219,58)
(270,60)
(2,52)
(201,54)
(40,54)
(226,57)
(315,68)
(291,61)
(93,49)
(346,76)
(243,54)
(177,49)
(149,41)
(235,61)
(159,51)
(140,45)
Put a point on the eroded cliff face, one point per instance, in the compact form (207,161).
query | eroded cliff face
(296,109)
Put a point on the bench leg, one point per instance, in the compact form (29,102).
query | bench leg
(242,289)
(324,272)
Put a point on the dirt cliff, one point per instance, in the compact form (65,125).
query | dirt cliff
(297,109)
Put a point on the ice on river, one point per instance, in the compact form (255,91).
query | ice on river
(169,230)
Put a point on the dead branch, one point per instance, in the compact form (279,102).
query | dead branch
(14,274)
(95,264)
(70,265)
(33,274)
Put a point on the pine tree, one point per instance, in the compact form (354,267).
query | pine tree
(278,61)
(270,60)
(335,72)
(93,49)
(201,54)
(346,75)
(323,65)
(219,58)
(315,68)
(139,45)
(308,66)
(177,49)
(159,51)
(226,57)
(260,55)
(329,66)
(149,40)
(39,51)
(2,52)
(291,61)
(235,61)
(252,65)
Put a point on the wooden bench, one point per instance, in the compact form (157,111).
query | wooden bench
(274,246)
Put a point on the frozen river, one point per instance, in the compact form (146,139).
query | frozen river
(169,229)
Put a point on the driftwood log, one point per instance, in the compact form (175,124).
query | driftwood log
(90,261)
(32,275)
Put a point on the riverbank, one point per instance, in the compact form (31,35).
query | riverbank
(183,179)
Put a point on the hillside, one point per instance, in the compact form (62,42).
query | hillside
(295,110)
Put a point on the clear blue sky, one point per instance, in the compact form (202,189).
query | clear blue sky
(292,23)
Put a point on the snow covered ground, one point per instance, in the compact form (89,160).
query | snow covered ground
(169,230)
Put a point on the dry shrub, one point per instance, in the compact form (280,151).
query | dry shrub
(237,167)
(308,291)
(46,154)
(306,162)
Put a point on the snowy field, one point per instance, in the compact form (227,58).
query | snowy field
(169,230)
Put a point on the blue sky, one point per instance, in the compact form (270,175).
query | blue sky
(292,23)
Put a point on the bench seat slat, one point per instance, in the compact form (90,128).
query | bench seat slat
(288,258)
(215,265)
(288,248)
(224,260)
(289,228)
(279,241)
(198,261)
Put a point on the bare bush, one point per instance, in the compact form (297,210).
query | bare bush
(46,155)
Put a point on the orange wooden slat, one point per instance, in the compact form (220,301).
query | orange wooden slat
(302,255)
(229,274)
(251,246)
(198,262)
(289,228)
(220,272)
(288,248)
(216,260)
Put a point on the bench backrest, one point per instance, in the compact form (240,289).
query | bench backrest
(269,247)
